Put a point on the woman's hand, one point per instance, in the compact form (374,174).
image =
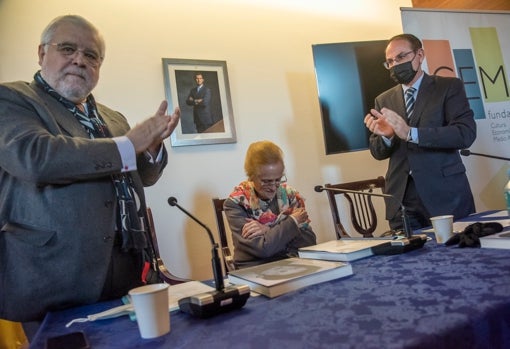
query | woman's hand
(253,228)
(300,215)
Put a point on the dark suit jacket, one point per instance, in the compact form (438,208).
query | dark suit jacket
(57,202)
(445,124)
(202,115)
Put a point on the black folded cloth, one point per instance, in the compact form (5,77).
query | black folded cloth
(470,237)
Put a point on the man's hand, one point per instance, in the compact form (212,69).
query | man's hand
(149,134)
(396,122)
(386,123)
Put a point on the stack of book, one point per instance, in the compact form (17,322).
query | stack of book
(318,263)
(345,250)
(276,278)
(499,240)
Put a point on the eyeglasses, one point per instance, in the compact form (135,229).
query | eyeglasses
(272,182)
(390,62)
(68,49)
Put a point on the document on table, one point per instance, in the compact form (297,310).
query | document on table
(186,289)
(175,292)
(499,214)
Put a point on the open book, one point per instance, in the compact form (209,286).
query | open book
(276,278)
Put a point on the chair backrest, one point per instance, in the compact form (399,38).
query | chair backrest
(228,257)
(362,211)
(163,271)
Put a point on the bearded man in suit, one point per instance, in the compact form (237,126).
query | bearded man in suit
(422,142)
(72,174)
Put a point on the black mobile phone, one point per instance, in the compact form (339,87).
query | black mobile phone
(73,340)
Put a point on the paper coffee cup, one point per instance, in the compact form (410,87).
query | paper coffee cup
(443,227)
(151,308)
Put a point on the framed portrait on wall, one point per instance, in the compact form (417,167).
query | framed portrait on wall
(201,90)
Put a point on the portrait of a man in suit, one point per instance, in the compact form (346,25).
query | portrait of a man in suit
(200,98)
(199,93)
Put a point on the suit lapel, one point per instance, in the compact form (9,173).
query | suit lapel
(397,99)
(115,124)
(59,120)
(424,93)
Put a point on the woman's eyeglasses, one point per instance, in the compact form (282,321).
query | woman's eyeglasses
(273,182)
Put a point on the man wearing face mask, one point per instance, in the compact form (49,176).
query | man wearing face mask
(421,135)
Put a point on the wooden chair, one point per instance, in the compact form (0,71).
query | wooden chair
(362,211)
(163,271)
(228,257)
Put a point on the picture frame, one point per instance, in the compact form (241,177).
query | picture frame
(206,114)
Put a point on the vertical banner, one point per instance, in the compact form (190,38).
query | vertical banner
(473,46)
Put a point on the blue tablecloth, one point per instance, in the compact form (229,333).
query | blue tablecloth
(434,297)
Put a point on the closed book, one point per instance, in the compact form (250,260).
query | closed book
(499,240)
(344,250)
(276,278)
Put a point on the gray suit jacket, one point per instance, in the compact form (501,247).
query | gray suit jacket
(445,124)
(57,202)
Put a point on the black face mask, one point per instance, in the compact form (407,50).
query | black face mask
(403,73)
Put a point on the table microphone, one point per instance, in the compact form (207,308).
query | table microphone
(222,299)
(467,152)
(409,243)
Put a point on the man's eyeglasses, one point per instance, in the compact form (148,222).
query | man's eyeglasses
(68,49)
(390,62)
(273,182)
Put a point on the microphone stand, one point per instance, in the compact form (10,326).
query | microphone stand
(215,261)
(223,299)
(467,152)
(412,242)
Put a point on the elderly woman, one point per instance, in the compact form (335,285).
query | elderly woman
(267,217)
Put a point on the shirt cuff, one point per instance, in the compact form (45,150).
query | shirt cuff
(127,153)
(159,157)
(387,141)
(413,135)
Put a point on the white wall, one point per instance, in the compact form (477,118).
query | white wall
(267,47)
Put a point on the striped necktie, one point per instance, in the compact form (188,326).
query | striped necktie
(409,100)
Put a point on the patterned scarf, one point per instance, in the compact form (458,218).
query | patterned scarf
(288,198)
(128,218)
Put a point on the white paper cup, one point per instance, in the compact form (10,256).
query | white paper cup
(151,308)
(443,227)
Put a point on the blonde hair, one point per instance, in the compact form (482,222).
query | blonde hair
(259,154)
